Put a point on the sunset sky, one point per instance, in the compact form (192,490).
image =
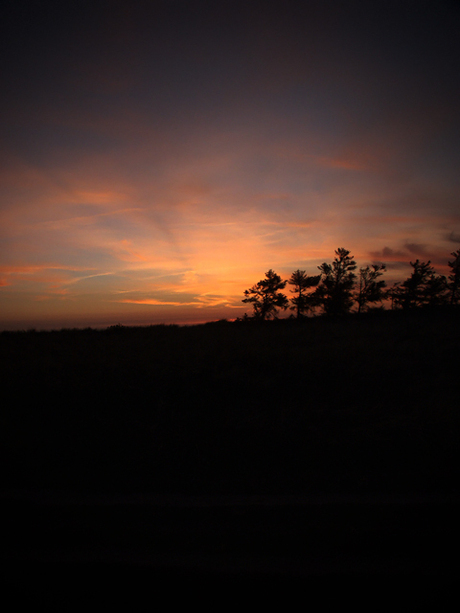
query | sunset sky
(157,158)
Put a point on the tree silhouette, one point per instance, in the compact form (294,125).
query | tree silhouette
(453,283)
(334,293)
(302,301)
(435,290)
(265,296)
(423,288)
(370,290)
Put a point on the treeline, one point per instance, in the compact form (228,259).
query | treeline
(340,287)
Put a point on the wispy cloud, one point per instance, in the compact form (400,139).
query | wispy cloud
(155,302)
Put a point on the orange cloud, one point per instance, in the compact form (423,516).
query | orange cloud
(28,269)
(155,302)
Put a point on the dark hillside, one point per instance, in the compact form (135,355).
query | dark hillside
(318,459)
(363,404)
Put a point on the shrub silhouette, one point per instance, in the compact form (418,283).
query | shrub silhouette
(370,290)
(266,297)
(453,283)
(303,301)
(335,291)
(423,288)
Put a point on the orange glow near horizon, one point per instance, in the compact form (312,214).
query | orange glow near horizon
(191,260)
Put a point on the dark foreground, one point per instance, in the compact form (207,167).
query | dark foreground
(320,459)
(367,554)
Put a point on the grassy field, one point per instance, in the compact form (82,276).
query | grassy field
(362,405)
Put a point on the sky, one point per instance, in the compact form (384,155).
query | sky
(157,158)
